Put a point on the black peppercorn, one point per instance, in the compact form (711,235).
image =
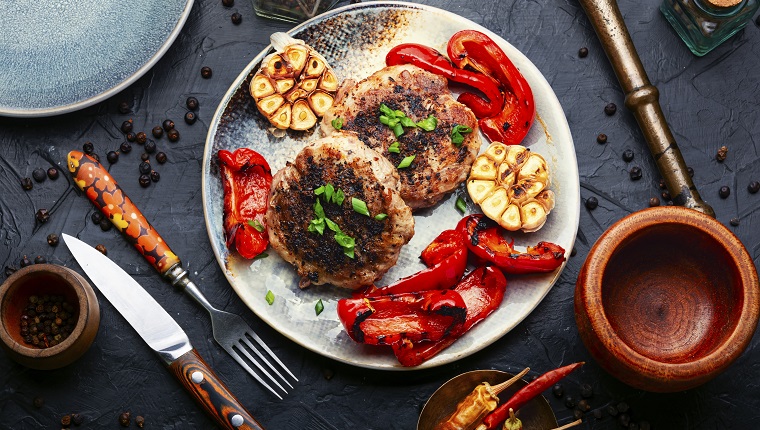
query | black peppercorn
(601,138)
(77,419)
(558,391)
(105,224)
(662,184)
(161,157)
(42,216)
(665,196)
(25,261)
(124,108)
(190,117)
(635,173)
(612,410)
(66,420)
(144,181)
(88,148)
(144,156)
(131,137)
(592,203)
(38,402)
(583,405)
(570,401)
(157,132)
(96,217)
(622,407)
(206,72)
(587,391)
(126,126)
(173,135)
(624,420)
(155,176)
(192,103)
(627,155)
(52,173)
(150,147)
(112,156)
(140,421)
(26,184)
(724,192)
(168,124)
(40,260)
(124,419)
(52,239)
(102,249)
(236,18)
(228,3)
(145,168)
(141,138)
(753,187)
(583,52)
(125,147)
(735,222)
(610,109)
(39,175)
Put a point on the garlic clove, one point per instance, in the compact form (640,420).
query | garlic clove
(261,86)
(302,117)
(495,204)
(314,67)
(297,54)
(329,81)
(483,168)
(510,219)
(284,85)
(496,152)
(479,189)
(320,101)
(281,118)
(309,85)
(269,105)
(533,216)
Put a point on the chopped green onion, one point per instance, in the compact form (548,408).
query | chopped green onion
(407,122)
(346,242)
(428,124)
(384,120)
(319,307)
(398,130)
(317,225)
(457,134)
(381,217)
(461,205)
(386,110)
(406,162)
(269,297)
(337,123)
(332,226)
(339,197)
(395,148)
(256,224)
(359,206)
(260,256)
(319,190)
(319,211)
(329,190)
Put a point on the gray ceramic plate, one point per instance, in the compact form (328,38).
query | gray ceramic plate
(355,39)
(58,57)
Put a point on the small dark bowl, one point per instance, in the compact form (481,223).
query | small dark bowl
(50,279)
(667,299)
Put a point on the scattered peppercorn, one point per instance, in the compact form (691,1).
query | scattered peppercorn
(131,137)
(173,135)
(52,239)
(150,147)
(112,156)
(622,407)
(583,405)
(42,216)
(105,224)
(144,156)
(25,261)
(236,18)
(155,176)
(592,203)
(722,154)
(88,148)
(627,155)
(654,202)
(610,109)
(192,103)
(206,72)
(724,192)
(46,321)
(96,217)
(140,421)
(124,419)
(190,117)
(157,132)
(40,260)
(52,173)
(125,147)
(38,402)
(753,187)
(145,168)
(141,137)
(558,390)
(228,3)
(102,249)
(127,126)
(601,138)
(635,173)
(662,184)
(161,157)
(665,196)
(583,52)
(77,419)
(624,420)
(66,420)
(570,401)
(735,222)
(612,410)
(26,184)
(168,124)
(587,391)
(124,108)
(39,175)
(690,171)
(144,181)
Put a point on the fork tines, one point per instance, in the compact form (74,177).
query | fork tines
(243,346)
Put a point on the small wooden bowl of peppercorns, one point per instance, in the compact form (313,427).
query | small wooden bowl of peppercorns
(667,299)
(49,316)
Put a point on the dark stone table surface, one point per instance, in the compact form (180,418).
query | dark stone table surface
(709,102)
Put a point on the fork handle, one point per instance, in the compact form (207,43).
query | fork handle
(211,393)
(106,194)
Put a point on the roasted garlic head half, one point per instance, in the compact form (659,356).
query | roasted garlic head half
(510,183)
(294,85)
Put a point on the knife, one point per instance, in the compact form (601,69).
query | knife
(163,335)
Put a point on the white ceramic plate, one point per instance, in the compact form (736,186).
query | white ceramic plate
(58,57)
(355,40)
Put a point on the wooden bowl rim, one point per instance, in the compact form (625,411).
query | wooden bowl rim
(605,247)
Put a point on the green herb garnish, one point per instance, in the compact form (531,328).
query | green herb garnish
(395,148)
(428,124)
(396,120)
(319,307)
(337,123)
(461,205)
(329,190)
(269,297)
(406,162)
(317,225)
(338,197)
(256,224)
(381,217)
(359,206)
(457,134)
(260,256)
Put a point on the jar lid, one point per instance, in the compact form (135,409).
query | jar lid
(724,3)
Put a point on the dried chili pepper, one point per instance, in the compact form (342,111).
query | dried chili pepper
(471,48)
(246,178)
(526,393)
(433,61)
(484,239)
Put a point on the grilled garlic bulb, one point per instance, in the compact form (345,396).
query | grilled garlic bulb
(510,183)
(294,85)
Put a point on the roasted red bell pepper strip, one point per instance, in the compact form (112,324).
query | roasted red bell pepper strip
(526,393)
(384,320)
(484,239)
(471,48)
(482,291)
(246,179)
(445,244)
(433,61)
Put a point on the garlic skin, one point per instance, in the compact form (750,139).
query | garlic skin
(294,85)
(510,183)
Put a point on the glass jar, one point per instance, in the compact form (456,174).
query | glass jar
(292,10)
(705,24)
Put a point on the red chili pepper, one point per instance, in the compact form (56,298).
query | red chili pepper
(470,48)
(526,393)
(433,61)
(482,291)
(246,179)
(385,320)
(484,239)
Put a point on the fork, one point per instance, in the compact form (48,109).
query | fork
(230,331)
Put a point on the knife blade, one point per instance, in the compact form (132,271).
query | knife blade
(162,333)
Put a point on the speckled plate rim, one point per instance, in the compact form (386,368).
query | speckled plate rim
(71,107)
(570,190)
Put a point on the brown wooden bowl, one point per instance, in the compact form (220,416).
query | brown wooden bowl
(667,299)
(50,279)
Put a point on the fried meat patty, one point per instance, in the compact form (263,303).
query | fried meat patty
(343,161)
(439,165)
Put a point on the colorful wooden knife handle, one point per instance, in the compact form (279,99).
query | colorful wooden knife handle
(103,191)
